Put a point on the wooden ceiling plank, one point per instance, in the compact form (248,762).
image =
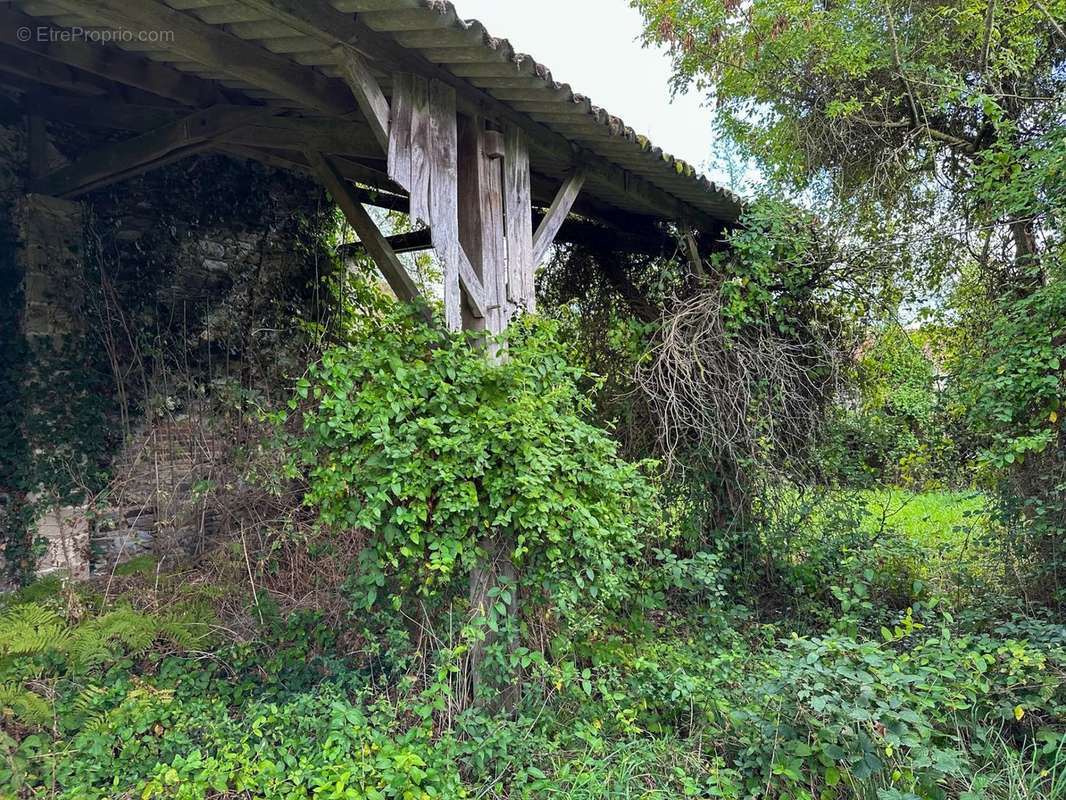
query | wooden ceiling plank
(215,48)
(112,64)
(227,14)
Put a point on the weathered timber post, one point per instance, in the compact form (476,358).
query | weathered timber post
(470,184)
(482,234)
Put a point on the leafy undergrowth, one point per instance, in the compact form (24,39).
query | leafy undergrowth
(104,701)
(951,534)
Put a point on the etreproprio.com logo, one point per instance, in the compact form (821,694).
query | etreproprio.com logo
(46,33)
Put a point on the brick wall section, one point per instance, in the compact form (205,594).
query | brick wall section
(158,488)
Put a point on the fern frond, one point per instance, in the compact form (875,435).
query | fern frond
(28,707)
(87,698)
(29,629)
(92,642)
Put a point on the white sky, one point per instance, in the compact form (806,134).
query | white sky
(594,45)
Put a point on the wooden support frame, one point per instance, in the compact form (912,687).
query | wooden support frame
(123,159)
(384,256)
(367,93)
(573,231)
(695,261)
(319,19)
(557,214)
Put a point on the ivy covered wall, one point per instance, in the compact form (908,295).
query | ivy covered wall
(143,305)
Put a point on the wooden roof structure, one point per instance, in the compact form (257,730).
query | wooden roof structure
(398,103)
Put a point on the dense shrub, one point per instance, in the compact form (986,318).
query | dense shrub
(417,436)
(1009,388)
(896,428)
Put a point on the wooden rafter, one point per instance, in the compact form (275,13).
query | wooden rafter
(367,94)
(213,47)
(112,64)
(272,132)
(102,113)
(48,73)
(132,156)
(556,216)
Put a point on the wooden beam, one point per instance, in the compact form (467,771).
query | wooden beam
(213,47)
(470,283)
(367,94)
(384,256)
(557,213)
(282,133)
(573,231)
(295,133)
(48,73)
(318,18)
(413,242)
(111,63)
(133,156)
(101,113)
(391,198)
(37,146)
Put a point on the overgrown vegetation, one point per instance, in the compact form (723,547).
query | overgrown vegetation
(860,655)
(787,522)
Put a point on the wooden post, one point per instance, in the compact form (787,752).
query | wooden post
(481,232)
(482,237)
(695,261)
(518,218)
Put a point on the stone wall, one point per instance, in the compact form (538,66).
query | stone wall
(51,254)
(182,284)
